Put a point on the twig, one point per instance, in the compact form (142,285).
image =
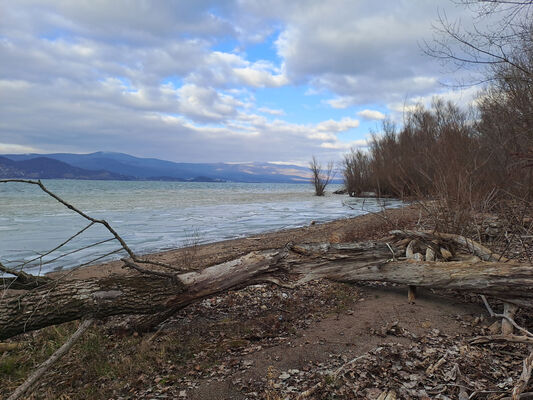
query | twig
(77,250)
(156,334)
(510,320)
(524,377)
(392,251)
(501,338)
(474,394)
(53,358)
(523,396)
(142,270)
(334,375)
(27,280)
(58,246)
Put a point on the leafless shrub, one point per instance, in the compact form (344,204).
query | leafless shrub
(464,169)
(190,249)
(490,173)
(356,171)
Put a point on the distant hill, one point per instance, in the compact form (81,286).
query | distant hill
(155,169)
(48,168)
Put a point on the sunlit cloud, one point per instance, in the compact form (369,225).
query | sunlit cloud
(371,115)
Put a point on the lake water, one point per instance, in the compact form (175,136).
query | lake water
(153,216)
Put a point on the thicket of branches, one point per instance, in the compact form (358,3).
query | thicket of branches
(468,160)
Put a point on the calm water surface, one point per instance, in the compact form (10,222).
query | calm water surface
(154,216)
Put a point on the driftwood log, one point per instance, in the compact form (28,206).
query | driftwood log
(150,293)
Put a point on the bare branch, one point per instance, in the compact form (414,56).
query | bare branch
(23,280)
(524,377)
(510,320)
(502,338)
(58,246)
(500,45)
(134,266)
(33,378)
(103,222)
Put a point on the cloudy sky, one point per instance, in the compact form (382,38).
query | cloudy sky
(209,81)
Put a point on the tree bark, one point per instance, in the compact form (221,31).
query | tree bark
(68,300)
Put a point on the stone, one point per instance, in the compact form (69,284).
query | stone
(284,376)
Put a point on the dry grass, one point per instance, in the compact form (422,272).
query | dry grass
(98,366)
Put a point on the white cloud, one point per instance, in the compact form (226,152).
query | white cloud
(354,90)
(10,148)
(259,78)
(362,52)
(464,98)
(338,126)
(118,20)
(206,104)
(150,78)
(220,69)
(354,38)
(340,102)
(322,136)
(271,111)
(371,115)
(344,146)
(291,162)
(187,123)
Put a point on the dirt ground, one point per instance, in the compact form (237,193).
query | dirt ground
(267,342)
(339,337)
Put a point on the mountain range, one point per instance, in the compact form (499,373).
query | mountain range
(120,166)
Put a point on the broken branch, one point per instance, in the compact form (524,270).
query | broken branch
(48,363)
(524,377)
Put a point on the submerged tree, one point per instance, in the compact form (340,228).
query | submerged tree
(320,178)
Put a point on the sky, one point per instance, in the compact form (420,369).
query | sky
(215,81)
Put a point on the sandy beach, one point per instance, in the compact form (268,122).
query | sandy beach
(360,228)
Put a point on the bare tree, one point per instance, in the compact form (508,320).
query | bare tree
(321,178)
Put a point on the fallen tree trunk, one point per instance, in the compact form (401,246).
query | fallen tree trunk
(68,300)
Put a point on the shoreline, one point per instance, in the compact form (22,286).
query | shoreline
(264,339)
(153,218)
(359,228)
